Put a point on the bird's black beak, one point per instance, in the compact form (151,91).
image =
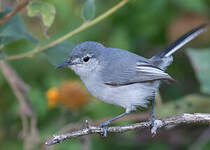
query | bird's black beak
(63,64)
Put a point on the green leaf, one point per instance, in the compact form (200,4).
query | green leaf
(59,53)
(14,29)
(200,60)
(44,10)
(88,10)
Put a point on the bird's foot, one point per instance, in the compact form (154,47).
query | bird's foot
(157,124)
(104,125)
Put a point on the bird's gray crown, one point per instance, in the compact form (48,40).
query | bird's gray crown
(86,48)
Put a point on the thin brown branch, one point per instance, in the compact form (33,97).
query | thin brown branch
(19,6)
(26,111)
(197,118)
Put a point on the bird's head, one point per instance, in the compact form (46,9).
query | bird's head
(84,58)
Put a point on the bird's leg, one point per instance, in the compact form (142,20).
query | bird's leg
(152,114)
(106,123)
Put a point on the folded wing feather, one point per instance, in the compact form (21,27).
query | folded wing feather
(143,72)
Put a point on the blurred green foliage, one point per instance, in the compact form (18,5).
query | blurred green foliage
(11,31)
(88,10)
(141,26)
(45,10)
(200,61)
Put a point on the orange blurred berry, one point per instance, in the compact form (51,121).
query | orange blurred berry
(71,94)
(52,97)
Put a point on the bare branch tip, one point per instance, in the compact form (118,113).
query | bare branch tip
(54,140)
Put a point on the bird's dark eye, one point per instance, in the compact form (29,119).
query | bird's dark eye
(85,59)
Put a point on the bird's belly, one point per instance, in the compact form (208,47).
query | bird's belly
(124,96)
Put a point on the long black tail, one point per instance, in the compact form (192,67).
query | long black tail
(181,41)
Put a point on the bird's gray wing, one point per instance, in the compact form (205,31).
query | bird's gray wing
(136,73)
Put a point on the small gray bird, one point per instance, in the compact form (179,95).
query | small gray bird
(123,78)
